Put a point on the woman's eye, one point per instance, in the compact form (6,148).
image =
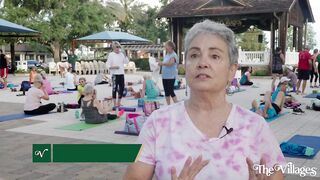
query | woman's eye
(215,57)
(193,55)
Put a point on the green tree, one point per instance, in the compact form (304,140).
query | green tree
(311,40)
(59,21)
(147,25)
(249,40)
(122,12)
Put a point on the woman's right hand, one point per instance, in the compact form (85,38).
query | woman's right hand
(189,170)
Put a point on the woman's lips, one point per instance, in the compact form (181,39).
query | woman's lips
(202,76)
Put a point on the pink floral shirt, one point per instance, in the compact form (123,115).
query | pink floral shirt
(169,137)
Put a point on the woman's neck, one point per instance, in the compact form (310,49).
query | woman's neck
(207,101)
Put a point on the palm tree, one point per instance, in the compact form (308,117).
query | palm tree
(122,12)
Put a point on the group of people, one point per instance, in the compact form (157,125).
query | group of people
(308,69)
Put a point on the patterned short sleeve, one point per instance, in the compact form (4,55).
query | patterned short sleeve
(268,146)
(147,138)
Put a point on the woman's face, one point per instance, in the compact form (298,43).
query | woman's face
(207,64)
(116,48)
(82,82)
(168,48)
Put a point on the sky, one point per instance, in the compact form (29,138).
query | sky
(315,5)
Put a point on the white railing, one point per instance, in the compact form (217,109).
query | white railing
(256,58)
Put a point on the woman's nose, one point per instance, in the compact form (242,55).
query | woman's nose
(203,63)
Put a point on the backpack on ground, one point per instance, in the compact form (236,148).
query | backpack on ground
(25,86)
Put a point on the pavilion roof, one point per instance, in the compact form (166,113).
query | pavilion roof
(207,8)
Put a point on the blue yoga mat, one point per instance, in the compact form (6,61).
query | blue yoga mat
(276,117)
(14,117)
(310,141)
(311,95)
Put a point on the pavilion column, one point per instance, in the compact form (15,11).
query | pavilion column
(305,34)
(283,31)
(272,42)
(13,60)
(294,38)
(300,34)
(179,41)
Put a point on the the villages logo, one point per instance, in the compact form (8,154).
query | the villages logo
(289,168)
(39,153)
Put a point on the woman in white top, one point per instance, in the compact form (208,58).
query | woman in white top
(33,99)
(70,80)
(116,61)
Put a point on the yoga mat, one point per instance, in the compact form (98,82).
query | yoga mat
(127,109)
(80,126)
(276,117)
(10,117)
(14,117)
(126,133)
(311,95)
(147,99)
(310,141)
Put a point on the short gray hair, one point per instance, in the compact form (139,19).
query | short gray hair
(211,27)
(88,89)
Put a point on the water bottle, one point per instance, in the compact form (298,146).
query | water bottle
(77,114)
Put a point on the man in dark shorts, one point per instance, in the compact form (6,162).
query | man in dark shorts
(303,69)
(4,61)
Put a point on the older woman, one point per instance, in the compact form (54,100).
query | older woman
(169,71)
(95,111)
(206,137)
(116,61)
(33,104)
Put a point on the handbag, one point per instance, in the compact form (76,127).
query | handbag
(150,106)
(134,123)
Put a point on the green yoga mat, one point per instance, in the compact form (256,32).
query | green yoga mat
(80,126)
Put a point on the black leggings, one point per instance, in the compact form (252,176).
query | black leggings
(45,109)
(247,83)
(168,86)
(313,73)
(117,82)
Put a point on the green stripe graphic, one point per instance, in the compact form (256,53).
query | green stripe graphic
(95,152)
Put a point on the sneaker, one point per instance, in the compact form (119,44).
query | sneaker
(298,110)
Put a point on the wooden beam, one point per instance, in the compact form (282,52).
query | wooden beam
(305,34)
(294,38)
(283,30)
(272,42)
(300,34)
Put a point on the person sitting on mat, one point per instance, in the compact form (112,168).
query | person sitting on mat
(101,79)
(70,80)
(149,89)
(273,102)
(32,74)
(80,88)
(293,78)
(246,78)
(47,84)
(93,110)
(34,95)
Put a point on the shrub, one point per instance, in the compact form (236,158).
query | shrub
(142,64)
(20,71)
(261,72)
(181,70)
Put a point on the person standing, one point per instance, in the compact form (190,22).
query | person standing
(115,62)
(303,69)
(169,71)
(72,59)
(4,61)
(277,71)
(155,68)
(314,69)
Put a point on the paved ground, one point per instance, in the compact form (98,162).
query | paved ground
(17,136)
